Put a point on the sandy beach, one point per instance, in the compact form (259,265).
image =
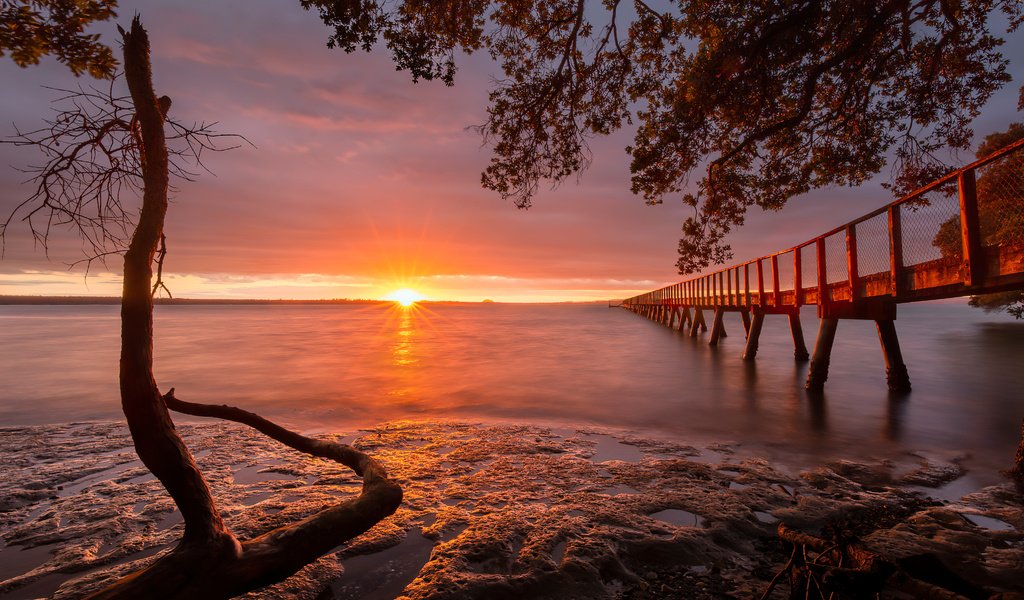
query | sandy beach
(497,511)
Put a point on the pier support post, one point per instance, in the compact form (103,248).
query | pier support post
(818,372)
(698,318)
(745,314)
(685,319)
(717,329)
(895,369)
(753,335)
(799,349)
(672,318)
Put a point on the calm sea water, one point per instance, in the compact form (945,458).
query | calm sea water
(339,367)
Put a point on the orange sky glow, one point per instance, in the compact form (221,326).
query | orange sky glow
(362,183)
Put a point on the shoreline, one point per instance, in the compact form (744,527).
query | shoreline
(489,507)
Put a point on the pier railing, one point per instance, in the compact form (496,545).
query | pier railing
(962,234)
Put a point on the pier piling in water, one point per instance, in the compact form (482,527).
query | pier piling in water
(717,329)
(799,349)
(753,335)
(846,276)
(698,318)
(818,372)
(895,370)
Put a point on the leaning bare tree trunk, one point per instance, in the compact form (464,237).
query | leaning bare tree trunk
(156,441)
(209,562)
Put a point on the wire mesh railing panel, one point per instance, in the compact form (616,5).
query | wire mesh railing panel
(808,267)
(835,258)
(785,261)
(931,226)
(873,245)
(1000,187)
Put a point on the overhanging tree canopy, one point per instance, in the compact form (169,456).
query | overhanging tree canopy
(757,102)
(751,102)
(32,29)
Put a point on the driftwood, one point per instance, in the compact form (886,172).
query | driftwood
(821,569)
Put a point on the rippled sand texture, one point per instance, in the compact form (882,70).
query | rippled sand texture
(491,512)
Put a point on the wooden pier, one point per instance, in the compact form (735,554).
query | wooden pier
(961,235)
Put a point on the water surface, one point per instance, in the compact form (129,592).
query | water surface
(342,366)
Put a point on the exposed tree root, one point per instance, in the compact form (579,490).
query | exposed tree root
(821,569)
(201,570)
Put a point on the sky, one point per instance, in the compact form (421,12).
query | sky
(362,182)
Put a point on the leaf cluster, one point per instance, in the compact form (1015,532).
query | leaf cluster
(738,103)
(32,29)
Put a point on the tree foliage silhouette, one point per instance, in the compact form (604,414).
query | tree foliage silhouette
(736,104)
(32,29)
(751,102)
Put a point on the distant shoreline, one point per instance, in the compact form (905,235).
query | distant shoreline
(13,300)
(115,300)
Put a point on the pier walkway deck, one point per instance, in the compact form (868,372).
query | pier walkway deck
(961,235)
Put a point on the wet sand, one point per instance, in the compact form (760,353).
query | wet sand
(496,511)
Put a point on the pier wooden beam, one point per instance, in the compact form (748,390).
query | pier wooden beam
(753,335)
(895,369)
(799,349)
(818,372)
(698,324)
(717,327)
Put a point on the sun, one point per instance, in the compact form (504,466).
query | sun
(405,296)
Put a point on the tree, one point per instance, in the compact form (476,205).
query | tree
(760,101)
(32,29)
(766,99)
(98,150)
(1000,187)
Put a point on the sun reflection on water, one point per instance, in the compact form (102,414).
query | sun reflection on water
(407,322)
